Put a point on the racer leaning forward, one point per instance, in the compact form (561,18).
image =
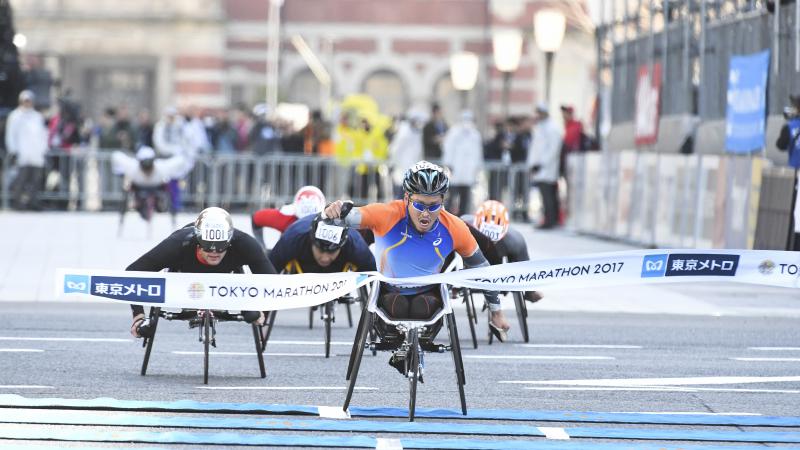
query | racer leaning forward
(490,227)
(316,245)
(413,236)
(210,245)
(308,201)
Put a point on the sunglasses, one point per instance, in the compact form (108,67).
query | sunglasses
(422,207)
(214,246)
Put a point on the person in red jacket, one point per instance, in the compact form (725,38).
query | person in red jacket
(307,201)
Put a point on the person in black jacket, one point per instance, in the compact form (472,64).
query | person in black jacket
(210,245)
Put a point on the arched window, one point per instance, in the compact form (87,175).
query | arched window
(304,88)
(388,90)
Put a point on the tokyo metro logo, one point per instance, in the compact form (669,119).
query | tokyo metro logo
(654,266)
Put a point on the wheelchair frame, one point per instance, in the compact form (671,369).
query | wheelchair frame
(207,332)
(472,316)
(415,349)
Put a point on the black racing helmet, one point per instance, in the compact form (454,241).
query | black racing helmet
(329,235)
(213,230)
(426,178)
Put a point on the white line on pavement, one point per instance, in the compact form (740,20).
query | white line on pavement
(283,388)
(683,413)
(767,359)
(271,342)
(248,354)
(623,382)
(536,357)
(576,346)
(662,389)
(24,386)
(775,349)
(63,339)
(21,350)
(554,433)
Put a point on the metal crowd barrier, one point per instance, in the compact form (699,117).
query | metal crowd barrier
(82,179)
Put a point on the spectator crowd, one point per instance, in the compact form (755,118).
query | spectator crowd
(360,142)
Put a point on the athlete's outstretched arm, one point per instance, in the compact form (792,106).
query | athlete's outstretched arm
(335,210)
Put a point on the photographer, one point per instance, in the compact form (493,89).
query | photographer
(789,139)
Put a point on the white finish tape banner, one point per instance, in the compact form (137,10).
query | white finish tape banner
(273,292)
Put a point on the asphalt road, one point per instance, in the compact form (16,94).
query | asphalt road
(576,361)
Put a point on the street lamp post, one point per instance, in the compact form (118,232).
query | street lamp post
(548,27)
(464,73)
(507,50)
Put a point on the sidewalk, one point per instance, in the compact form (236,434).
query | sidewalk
(36,244)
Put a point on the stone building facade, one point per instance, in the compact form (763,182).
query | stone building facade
(213,53)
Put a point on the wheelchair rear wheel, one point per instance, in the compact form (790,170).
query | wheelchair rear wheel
(413,371)
(458,362)
(327,317)
(148,342)
(470,315)
(522,315)
(206,343)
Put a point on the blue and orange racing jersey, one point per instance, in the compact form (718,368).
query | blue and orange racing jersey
(402,251)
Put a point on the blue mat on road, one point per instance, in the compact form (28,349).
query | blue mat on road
(187,406)
(83,418)
(147,437)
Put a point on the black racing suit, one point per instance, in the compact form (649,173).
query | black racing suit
(178,253)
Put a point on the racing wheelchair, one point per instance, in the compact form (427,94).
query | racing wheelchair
(146,201)
(205,320)
(327,312)
(411,339)
(454,262)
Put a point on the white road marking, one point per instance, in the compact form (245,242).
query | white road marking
(333,412)
(250,354)
(775,349)
(695,413)
(577,346)
(388,444)
(21,350)
(767,359)
(24,386)
(554,433)
(536,357)
(662,389)
(283,388)
(307,342)
(63,339)
(651,382)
